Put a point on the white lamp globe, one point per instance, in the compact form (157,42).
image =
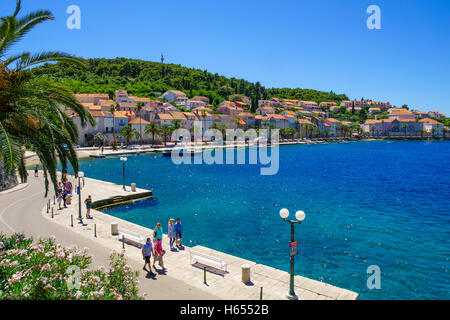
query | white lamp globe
(284,213)
(300,215)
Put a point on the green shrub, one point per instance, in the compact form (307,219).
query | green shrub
(45,270)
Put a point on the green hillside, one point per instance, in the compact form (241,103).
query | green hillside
(144,78)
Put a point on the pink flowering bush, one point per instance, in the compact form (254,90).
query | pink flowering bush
(46,270)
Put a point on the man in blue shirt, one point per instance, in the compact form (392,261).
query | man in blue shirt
(178,233)
(147,251)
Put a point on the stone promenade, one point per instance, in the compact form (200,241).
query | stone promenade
(227,285)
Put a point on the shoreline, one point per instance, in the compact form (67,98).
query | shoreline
(225,286)
(31,158)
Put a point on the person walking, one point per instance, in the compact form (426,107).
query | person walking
(60,199)
(178,233)
(36,171)
(171,233)
(160,253)
(88,203)
(147,250)
(155,254)
(159,231)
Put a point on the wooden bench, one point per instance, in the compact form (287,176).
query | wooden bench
(131,238)
(208,260)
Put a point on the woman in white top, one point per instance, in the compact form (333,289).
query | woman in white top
(171,232)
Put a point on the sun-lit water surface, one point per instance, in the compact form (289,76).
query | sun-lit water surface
(366,203)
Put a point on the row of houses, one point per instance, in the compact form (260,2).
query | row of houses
(112,115)
(398,127)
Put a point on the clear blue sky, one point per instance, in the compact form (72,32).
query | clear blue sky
(315,44)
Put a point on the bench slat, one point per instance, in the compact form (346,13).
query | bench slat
(197,256)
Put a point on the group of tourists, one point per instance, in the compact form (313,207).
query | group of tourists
(64,193)
(154,246)
(64,197)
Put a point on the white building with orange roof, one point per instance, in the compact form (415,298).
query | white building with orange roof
(94,98)
(224,119)
(265,110)
(230,109)
(402,115)
(392,110)
(176,96)
(201,98)
(138,124)
(377,127)
(328,104)
(205,116)
(334,126)
(355,109)
(121,119)
(436,114)
(163,118)
(374,110)
(309,106)
(248,118)
(86,134)
(277,120)
(432,126)
(190,119)
(106,104)
(126,106)
(303,125)
(335,108)
(406,127)
(420,114)
(191,104)
(142,100)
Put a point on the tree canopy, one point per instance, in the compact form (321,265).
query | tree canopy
(148,79)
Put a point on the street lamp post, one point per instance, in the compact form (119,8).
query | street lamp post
(80,175)
(300,216)
(123,159)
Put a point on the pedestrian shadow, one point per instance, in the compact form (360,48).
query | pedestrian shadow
(150,276)
(82,223)
(161,271)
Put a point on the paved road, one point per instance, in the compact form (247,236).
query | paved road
(20,212)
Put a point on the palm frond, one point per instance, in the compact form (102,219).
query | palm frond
(10,151)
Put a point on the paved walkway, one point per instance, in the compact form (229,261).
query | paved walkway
(20,211)
(227,285)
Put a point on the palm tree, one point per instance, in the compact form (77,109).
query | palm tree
(139,109)
(404,126)
(176,125)
(112,109)
(166,130)
(421,131)
(152,128)
(128,132)
(32,109)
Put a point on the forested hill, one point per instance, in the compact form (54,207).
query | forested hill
(144,78)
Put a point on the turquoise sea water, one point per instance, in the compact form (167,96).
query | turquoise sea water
(366,203)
